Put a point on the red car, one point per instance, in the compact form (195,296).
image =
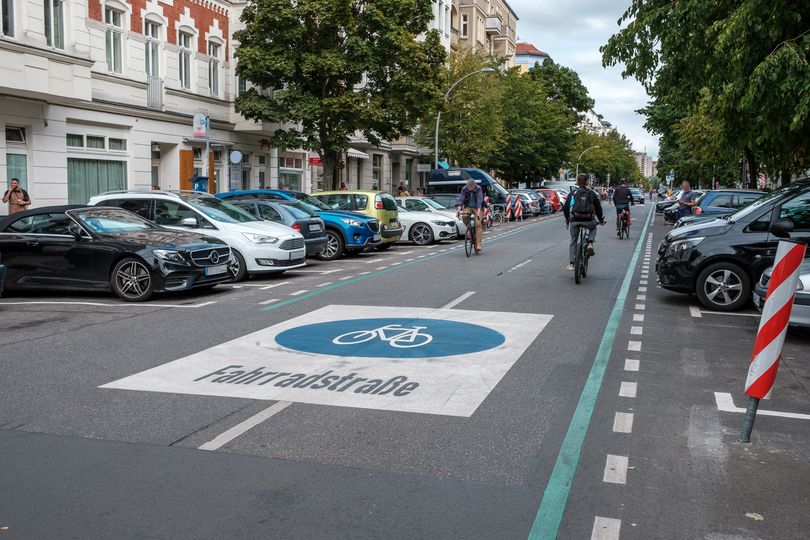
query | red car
(552,197)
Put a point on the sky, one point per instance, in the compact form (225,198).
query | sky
(571,32)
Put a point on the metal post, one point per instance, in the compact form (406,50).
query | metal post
(748,420)
(436,141)
(206,163)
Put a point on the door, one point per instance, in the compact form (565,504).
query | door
(797,210)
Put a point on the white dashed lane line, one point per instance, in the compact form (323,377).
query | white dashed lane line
(274,285)
(615,469)
(605,528)
(628,389)
(623,422)
(268,302)
(631,365)
(633,345)
(299,293)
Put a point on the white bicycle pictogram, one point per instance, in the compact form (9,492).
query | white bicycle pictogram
(396,335)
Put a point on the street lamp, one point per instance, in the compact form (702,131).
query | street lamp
(439,114)
(580,157)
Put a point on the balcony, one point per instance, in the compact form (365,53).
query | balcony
(494,26)
(454,38)
(154,93)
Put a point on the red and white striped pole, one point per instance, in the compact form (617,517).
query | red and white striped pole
(772,329)
(508,207)
(518,208)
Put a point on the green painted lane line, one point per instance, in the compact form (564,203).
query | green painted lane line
(393,268)
(549,516)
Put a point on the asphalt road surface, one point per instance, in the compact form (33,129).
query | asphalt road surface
(415,393)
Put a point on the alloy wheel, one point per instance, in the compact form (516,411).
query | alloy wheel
(723,287)
(330,250)
(133,279)
(421,235)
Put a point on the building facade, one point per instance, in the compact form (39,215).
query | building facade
(527,55)
(489,27)
(645,163)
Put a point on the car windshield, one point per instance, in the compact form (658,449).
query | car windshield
(308,200)
(433,204)
(300,210)
(219,210)
(753,206)
(402,209)
(113,220)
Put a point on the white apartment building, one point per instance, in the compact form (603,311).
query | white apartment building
(645,163)
(488,26)
(98,95)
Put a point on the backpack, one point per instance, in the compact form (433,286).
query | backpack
(583,208)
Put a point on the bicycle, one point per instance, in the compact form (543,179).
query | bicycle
(469,238)
(624,224)
(395,335)
(581,255)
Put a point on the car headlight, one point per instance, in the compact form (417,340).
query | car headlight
(441,223)
(170,256)
(688,243)
(351,222)
(260,238)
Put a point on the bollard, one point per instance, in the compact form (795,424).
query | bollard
(748,419)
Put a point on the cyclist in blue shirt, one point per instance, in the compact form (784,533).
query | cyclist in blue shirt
(470,202)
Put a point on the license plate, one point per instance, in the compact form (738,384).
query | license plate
(216,270)
(394,224)
(757,301)
(314,228)
(377,237)
(298,254)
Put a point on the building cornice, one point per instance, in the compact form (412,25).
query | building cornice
(51,54)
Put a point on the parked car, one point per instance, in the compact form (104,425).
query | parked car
(720,260)
(552,197)
(97,248)
(638,195)
(800,314)
(259,247)
(425,204)
(292,214)
(376,204)
(346,232)
(563,195)
(424,228)
(2,278)
(448,200)
(667,202)
(716,203)
(533,205)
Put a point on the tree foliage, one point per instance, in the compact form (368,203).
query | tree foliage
(563,85)
(336,68)
(612,160)
(737,69)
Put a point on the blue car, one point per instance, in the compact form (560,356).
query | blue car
(346,232)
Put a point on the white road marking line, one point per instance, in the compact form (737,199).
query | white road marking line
(725,403)
(623,422)
(694,311)
(638,317)
(636,330)
(251,285)
(376,260)
(271,301)
(642,289)
(524,263)
(345,278)
(324,284)
(408,260)
(421,256)
(274,285)
(224,438)
(628,389)
(641,297)
(363,273)
(615,469)
(730,314)
(396,263)
(633,345)
(631,365)
(381,268)
(308,271)
(641,307)
(103,304)
(404,252)
(642,282)
(458,300)
(605,528)
(299,293)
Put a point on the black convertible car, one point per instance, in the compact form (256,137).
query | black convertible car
(99,248)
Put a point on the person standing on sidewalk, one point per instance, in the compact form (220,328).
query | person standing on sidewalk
(470,202)
(686,201)
(16,197)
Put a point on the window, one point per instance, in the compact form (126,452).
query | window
(115,35)
(376,169)
(797,211)
(213,68)
(50,224)
(142,207)
(7,18)
(723,201)
(95,142)
(262,180)
(55,23)
(89,177)
(74,141)
(184,40)
(416,205)
(337,201)
(117,144)
(15,135)
(262,160)
(465,24)
(152,53)
(292,163)
(241,86)
(172,213)
(269,213)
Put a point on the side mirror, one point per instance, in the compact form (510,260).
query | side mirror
(76,231)
(782,228)
(188,222)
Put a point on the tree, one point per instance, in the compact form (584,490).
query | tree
(613,159)
(537,133)
(323,70)
(563,85)
(740,66)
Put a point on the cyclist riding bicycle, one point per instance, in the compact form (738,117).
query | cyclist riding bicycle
(622,198)
(582,208)
(470,202)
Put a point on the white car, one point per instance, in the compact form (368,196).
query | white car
(258,246)
(423,228)
(423,204)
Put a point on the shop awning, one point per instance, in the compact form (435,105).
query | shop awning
(351,152)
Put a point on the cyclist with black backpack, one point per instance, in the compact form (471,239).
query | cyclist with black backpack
(582,208)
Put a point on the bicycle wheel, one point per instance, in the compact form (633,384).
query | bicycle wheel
(469,241)
(583,242)
(578,262)
(497,218)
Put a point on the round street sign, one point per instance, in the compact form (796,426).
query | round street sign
(235,157)
(391,338)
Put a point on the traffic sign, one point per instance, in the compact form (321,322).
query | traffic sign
(437,361)
(199,126)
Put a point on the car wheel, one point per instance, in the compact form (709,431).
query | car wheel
(723,286)
(383,247)
(333,248)
(132,280)
(239,270)
(421,234)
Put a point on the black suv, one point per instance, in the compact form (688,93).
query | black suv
(719,260)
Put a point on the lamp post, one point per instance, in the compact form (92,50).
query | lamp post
(580,157)
(439,114)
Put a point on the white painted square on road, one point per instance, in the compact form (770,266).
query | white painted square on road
(422,360)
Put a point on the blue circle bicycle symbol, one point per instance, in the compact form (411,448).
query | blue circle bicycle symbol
(391,338)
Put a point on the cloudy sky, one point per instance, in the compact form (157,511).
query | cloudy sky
(571,31)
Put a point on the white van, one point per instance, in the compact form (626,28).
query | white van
(566,186)
(259,246)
